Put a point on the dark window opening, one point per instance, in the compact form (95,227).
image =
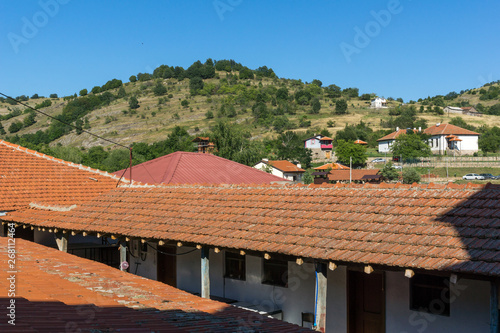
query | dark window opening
(430,294)
(275,273)
(235,266)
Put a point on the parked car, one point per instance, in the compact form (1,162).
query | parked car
(378,160)
(488,176)
(397,167)
(473,176)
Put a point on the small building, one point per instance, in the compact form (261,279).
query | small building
(385,143)
(346,176)
(204,145)
(471,111)
(332,166)
(378,103)
(283,169)
(321,147)
(453,109)
(452,139)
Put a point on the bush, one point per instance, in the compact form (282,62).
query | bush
(16,126)
(410,176)
(53,96)
(185,103)
(209,114)
(133,103)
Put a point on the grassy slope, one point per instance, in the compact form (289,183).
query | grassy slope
(144,127)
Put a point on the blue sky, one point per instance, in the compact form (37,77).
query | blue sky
(405,48)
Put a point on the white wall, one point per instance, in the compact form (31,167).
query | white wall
(469,312)
(336,303)
(385,146)
(310,144)
(147,267)
(469,144)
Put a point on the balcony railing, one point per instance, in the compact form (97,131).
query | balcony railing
(330,146)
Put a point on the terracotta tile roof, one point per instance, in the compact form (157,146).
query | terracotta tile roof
(325,138)
(444,129)
(394,135)
(59,292)
(285,166)
(433,227)
(333,166)
(356,174)
(196,168)
(360,142)
(28,177)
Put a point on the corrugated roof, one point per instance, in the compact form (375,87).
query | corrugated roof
(28,177)
(196,168)
(444,129)
(454,228)
(285,166)
(59,292)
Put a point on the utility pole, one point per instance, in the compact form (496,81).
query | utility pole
(350,169)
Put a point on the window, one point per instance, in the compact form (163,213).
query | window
(431,294)
(275,272)
(235,266)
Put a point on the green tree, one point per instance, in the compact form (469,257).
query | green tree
(410,176)
(159,89)
(389,172)
(53,96)
(290,146)
(195,84)
(15,126)
(83,92)
(121,92)
(333,91)
(29,119)
(340,106)
(410,146)
(307,178)
(2,130)
(133,103)
(246,73)
(209,114)
(316,106)
(346,150)
(133,78)
(282,94)
(317,82)
(185,103)
(96,90)
(489,141)
(79,126)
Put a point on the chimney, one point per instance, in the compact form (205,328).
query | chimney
(397,129)
(299,166)
(265,160)
(420,129)
(437,125)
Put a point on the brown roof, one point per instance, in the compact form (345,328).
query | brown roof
(356,174)
(394,135)
(325,138)
(31,178)
(285,166)
(445,129)
(60,292)
(333,166)
(454,228)
(360,142)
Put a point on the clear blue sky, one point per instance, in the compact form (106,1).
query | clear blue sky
(412,49)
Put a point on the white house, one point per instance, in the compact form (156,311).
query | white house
(378,103)
(385,143)
(283,169)
(452,139)
(321,147)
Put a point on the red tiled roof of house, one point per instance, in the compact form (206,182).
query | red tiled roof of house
(195,168)
(354,174)
(59,292)
(394,135)
(444,129)
(28,177)
(325,138)
(333,166)
(360,142)
(285,166)
(453,228)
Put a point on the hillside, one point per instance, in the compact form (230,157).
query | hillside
(262,105)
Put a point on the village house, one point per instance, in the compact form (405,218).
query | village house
(378,103)
(385,143)
(467,110)
(321,147)
(386,257)
(451,139)
(347,176)
(283,169)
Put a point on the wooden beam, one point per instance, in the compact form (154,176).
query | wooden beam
(493,307)
(123,255)
(61,241)
(321,283)
(205,272)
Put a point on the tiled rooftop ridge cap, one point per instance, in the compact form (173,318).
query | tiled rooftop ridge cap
(52,208)
(54,159)
(324,186)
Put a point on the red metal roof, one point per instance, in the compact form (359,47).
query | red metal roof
(196,168)
(60,292)
(453,228)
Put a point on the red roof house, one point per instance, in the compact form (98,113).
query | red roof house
(194,168)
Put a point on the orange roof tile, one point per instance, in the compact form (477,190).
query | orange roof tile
(354,174)
(28,177)
(444,129)
(60,292)
(285,166)
(360,142)
(333,166)
(452,228)
(394,135)
(325,138)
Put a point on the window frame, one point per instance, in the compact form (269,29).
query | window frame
(437,289)
(235,257)
(269,279)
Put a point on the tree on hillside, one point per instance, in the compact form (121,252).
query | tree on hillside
(489,141)
(290,146)
(132,78)
(333,91)
(317,82)
(2,130)
(341,107)
(83,92)
(159,89)
(133,103)
(345,150)
(410,146)
(195,84)
(315,106)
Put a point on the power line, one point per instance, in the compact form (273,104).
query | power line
(65,123)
